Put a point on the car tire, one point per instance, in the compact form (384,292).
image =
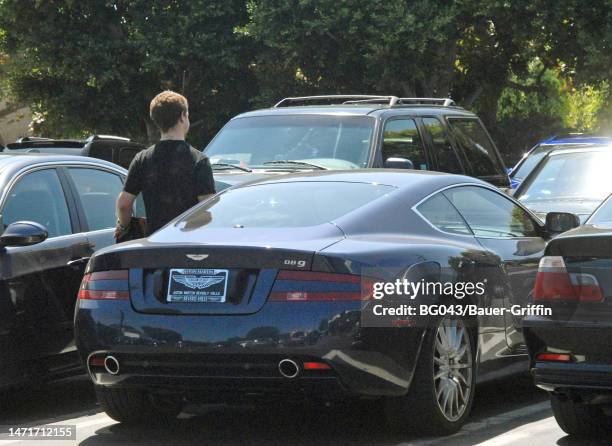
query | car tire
(577,418)
(132,406)
(421,409)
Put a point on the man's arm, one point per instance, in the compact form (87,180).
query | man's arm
(125,203)
(205,181)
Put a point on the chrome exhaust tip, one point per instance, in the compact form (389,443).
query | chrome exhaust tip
(111,365)
(288,368)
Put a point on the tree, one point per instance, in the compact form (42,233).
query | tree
(473,50)
(93,67)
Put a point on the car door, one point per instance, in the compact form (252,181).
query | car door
(401,139)
(507,229)
(480,156)
(445,156)
(96,191)
(38,281)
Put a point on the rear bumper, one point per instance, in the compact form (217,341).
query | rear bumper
(559,376)
(233,356)
(589,345)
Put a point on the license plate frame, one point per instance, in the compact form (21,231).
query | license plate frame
(197,285)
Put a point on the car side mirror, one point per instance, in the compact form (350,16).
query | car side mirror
(398,163)
(23,233)
(558,222)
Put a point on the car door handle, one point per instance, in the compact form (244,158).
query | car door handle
(78,262)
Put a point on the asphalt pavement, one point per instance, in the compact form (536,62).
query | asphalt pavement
(509,412)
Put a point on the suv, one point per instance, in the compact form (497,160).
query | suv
(351,132)
(115,149)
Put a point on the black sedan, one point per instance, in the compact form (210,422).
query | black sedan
(56,210)
(571,350)
(257,293)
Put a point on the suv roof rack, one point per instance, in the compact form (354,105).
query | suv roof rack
(96,137)
(31,139)
(364,99)
(336,98)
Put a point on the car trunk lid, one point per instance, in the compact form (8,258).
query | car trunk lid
(232,272)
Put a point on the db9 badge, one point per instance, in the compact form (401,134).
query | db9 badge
(197,285)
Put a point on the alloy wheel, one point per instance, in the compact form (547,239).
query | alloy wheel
(453,368)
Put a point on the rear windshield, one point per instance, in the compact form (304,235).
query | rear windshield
(277,205)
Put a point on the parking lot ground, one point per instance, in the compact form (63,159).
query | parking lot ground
(510,412)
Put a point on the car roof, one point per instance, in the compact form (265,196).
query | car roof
(577,149)
(358,110)
(10,162)
(586,139)
(400,178)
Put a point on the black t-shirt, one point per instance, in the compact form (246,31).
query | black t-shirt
(171,175)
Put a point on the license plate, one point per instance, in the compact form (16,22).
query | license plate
(197,285)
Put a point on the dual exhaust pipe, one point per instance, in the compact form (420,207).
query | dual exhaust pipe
(288,368)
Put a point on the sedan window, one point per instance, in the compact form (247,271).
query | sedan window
(438,211)
(39,197)
(490,214)
(97,191)
(401,139)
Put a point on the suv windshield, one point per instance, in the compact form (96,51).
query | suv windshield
(294,204)
(329,141)
(581,175)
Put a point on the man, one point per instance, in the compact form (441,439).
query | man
(171,175)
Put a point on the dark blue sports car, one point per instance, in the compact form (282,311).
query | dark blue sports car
(257,293)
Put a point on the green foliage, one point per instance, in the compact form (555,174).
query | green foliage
(544,103)
(527,67)
(93,66)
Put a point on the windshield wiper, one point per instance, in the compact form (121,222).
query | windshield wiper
(299,163)
(231,166)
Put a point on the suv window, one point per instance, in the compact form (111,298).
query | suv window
(443,149)
(490,214)
(401,139)
(97,191)
(39,197)
(476,146)
(441,214)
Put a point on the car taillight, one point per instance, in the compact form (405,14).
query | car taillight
(555,357)
(296,286)
(106,285)
(555,283)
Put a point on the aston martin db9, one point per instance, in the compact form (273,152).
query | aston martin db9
(258,294)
